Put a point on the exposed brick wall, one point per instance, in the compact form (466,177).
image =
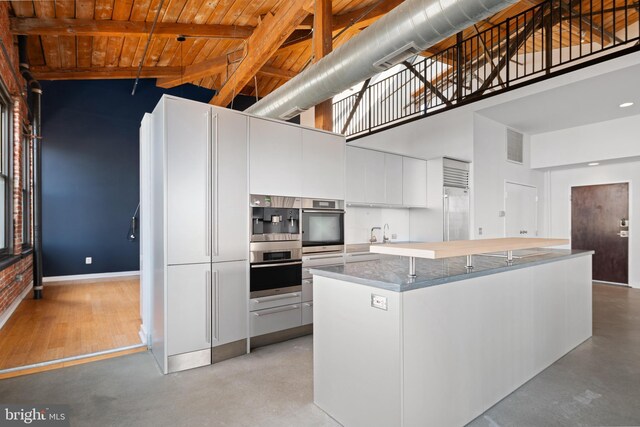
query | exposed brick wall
(15,278)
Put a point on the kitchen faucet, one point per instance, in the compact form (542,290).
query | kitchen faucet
(385,239)
(373,238)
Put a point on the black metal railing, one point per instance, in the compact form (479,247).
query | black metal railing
(535,44)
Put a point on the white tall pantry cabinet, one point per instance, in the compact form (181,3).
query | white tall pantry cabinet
(200,225)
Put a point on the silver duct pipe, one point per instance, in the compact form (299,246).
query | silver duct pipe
(410,28)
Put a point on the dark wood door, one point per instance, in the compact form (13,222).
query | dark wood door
(599,221)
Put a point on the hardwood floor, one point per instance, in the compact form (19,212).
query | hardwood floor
(71,320)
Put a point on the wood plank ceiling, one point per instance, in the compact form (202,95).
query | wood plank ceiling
(265,42)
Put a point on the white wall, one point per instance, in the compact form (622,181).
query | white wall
(613,139)
(447,134)
(358,222)
(560,183)
(491,171)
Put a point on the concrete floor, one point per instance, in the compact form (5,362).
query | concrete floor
(597,384)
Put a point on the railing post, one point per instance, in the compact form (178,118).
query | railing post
(508,53)
(548,41)
(459,67)
(424,74)
(369,105)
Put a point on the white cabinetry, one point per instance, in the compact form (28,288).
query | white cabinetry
(188,176)
(393,179)
(275,159)
(230,213)
(189,290)
(199,215)
(229,319)
(356,175)
(414,178)
(287,160)
(323,156)
(385,179)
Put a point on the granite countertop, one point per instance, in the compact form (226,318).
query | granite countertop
(392,272)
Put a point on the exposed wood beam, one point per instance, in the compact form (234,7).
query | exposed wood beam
(322,45)
(356,20)
(263,43)
(427,83)
(90,27)
(99,73)
(199,70)
(270,71)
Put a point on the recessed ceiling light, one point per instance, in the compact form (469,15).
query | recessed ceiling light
(593,164)
(626,104)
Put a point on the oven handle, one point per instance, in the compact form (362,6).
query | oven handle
(323,211)
(276,265)
(275,310)
(276,297)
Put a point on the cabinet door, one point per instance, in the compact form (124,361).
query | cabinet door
(393,179)
(230,298)
(188,134)
(230,212)
(375,177)
(414,182)
(322,165)
(356,175)
(275,158)
(189,291)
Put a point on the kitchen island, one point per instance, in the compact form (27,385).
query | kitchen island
(440,348)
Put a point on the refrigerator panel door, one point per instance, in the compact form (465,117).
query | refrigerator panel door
(456,214)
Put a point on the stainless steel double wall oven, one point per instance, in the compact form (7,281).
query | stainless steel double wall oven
(275,246)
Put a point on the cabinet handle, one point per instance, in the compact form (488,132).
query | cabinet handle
(276,297)
(275,310)
(308,304)
(307,282)
(216,240)
(207,303)
(216,297)
(208,187)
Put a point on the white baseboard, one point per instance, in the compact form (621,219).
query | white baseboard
(93,276)
(9,311)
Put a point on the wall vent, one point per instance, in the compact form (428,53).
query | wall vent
(514,146)
(456,173)
(397,56)
(295,111)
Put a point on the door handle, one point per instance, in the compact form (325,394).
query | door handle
(623,233)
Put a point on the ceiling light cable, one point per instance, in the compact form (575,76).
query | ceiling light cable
(146,47)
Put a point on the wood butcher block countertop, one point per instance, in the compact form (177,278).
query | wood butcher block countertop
(438,250)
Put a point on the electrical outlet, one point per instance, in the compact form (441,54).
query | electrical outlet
(88,260)
(378,301)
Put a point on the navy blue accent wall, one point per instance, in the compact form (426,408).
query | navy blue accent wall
(90,168)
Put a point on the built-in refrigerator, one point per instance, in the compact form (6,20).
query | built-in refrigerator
(455,199)
(455,213)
